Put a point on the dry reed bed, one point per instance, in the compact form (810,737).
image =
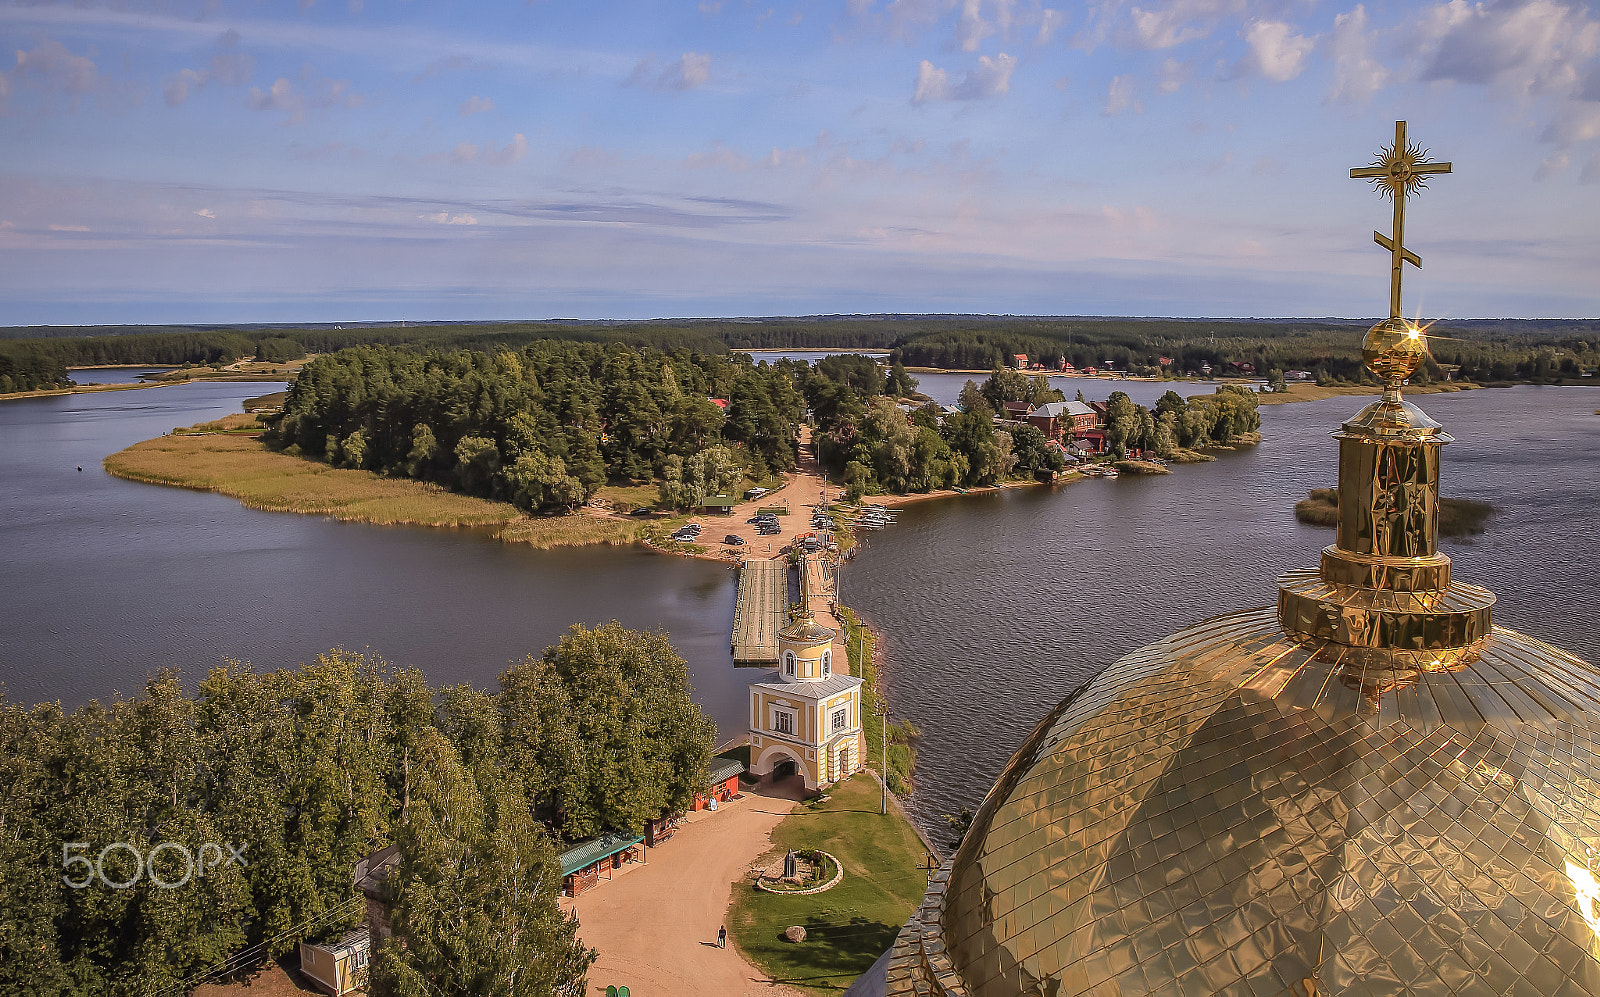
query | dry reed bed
(242,467)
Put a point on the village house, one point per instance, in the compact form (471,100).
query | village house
(1061,421)
(1015,411)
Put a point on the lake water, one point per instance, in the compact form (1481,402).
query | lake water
(992,608)
(114,375)
(108,580)
(809,356)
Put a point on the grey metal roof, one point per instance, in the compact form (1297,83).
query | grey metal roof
(820,689)
(1055,410)
(724,768)
(583,855)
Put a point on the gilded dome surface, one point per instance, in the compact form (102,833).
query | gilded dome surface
(1236,811)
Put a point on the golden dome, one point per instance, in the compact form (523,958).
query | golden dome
(1237,810)
(1394,349)
(806,630)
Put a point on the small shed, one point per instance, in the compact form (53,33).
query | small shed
(720,505)
(582,864)
(724,782)
(338,967)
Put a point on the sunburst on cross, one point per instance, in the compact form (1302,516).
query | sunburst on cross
(1397,173)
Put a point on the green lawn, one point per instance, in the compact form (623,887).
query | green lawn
(849,926)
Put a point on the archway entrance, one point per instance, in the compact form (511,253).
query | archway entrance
(784,769)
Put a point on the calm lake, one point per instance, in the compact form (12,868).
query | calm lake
(993,608)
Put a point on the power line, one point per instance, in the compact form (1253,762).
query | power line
(230,963)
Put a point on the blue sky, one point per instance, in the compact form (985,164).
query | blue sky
(328,160)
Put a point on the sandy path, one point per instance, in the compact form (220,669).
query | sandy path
(655,925)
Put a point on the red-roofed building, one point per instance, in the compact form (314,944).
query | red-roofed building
(721,403)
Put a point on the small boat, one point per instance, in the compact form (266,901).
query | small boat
(1110,474)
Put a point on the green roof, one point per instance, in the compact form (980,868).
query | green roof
(589,852)
(723,501)
(724,768)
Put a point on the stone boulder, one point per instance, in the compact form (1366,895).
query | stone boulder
(794,933)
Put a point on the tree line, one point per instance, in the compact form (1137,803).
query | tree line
(254,798)
(546,426)
(1487,350)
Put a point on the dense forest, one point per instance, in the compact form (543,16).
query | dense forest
(1485,350)
(545,427)
(302,773)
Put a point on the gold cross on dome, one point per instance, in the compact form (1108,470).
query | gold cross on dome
(1397,173)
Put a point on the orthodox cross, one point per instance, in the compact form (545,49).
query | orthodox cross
(1397,173)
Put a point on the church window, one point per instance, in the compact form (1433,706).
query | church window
(827,663)
(788,663)
(841,719)
(783,722)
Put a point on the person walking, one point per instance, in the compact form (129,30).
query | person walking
(722,937)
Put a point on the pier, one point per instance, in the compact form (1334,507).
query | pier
(761,611)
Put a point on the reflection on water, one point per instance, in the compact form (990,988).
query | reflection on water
(994,608)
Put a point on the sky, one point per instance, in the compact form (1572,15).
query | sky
(342,160)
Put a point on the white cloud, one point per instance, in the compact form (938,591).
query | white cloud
(1553,166)
(1591,170)
(689,71)
(227,68)
(476,105)
(907,18)
(1177,22)
(176,90)
(1276,52)
(507,154)
(1578,121)
(466,152)
(206,213)
(69,228)
(1050,21)
(710,7)
(321,93)
(51,67)
(1533,47)
(1120,96)
(933,83)
(989,78)
(971,28)
(1174,74)
(1357,76)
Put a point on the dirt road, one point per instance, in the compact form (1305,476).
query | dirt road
(655,925)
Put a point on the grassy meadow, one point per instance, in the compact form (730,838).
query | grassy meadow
(226,456)
(849,926)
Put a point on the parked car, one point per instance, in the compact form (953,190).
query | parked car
(733,541)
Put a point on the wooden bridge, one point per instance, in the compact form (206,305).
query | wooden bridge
(762,610)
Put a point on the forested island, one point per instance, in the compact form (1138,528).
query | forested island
(1482,351)
(301,773)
